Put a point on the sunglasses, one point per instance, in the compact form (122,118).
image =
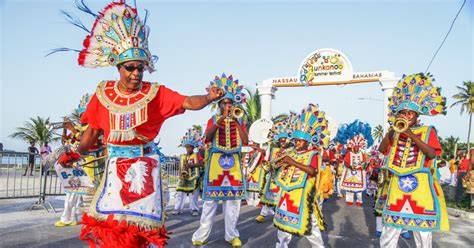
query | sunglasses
(131,68)
(225,103)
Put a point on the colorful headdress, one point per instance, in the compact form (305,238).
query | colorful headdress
(416,92)
(355,134)
(311,125)
(83,104)
(230,86)
(282,129)
(117,36)
(192,137)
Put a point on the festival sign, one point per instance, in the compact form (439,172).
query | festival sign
(323,66)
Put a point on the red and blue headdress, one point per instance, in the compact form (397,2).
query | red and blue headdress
(311,125)
(417,93)
(282,129)
(118,35)
(355,134)
(231,87)
(192,137)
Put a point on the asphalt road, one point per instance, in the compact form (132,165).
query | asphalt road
(347,227)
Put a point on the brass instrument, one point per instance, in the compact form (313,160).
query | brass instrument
(57,125)
(400,125)
(276,163)
(184,169)
(381,178)
(237,112)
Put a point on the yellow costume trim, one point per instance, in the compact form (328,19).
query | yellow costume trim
(297,201)
(190,183)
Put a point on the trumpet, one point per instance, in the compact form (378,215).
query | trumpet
(275,163)
(184,170)
(237,112)
(57,125)
(400,125)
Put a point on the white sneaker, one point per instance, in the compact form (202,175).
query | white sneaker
(176,212)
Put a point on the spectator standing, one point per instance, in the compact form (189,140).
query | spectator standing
(44,151)
(462,170)
(32,151)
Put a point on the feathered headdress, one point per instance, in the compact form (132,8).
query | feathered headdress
(311,125)
(282,129)
(83,104)
(230,86)
(416,92)
(192,137)
(118,35)
(355,134)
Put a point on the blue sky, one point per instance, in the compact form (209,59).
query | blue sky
(253,40)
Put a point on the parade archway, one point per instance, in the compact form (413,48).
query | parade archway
(326,66)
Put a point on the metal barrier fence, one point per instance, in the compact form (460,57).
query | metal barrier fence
(15,183)
(172,173)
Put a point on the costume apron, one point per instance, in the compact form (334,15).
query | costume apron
(354,180)
(270,190)
(223,176)
(297,202)
(415,200)
(190,182)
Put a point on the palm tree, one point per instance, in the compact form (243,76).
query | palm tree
(448,145)
(75,116)
(252,108)
(283,116)
(377,133)
(35,130)
(465,99)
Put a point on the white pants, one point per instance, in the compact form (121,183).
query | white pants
(253,198)
(315,239)
(266,211)
(71,206)
(378,223)
(193,200)
(350,196)
(231,209)
(390,235)
(338,186)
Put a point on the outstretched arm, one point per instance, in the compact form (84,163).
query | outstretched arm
(199,102)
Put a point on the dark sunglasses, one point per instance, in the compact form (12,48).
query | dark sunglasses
(225,103)
(131,68)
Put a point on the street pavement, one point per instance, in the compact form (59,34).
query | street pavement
(348,226)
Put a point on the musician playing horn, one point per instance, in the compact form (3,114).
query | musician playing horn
(223,177)
(280,135)
(415,199)
(190,170)
(297,211)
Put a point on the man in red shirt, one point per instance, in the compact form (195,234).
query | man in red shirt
(129,112)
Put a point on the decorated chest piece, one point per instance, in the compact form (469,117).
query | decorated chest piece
(126,112)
